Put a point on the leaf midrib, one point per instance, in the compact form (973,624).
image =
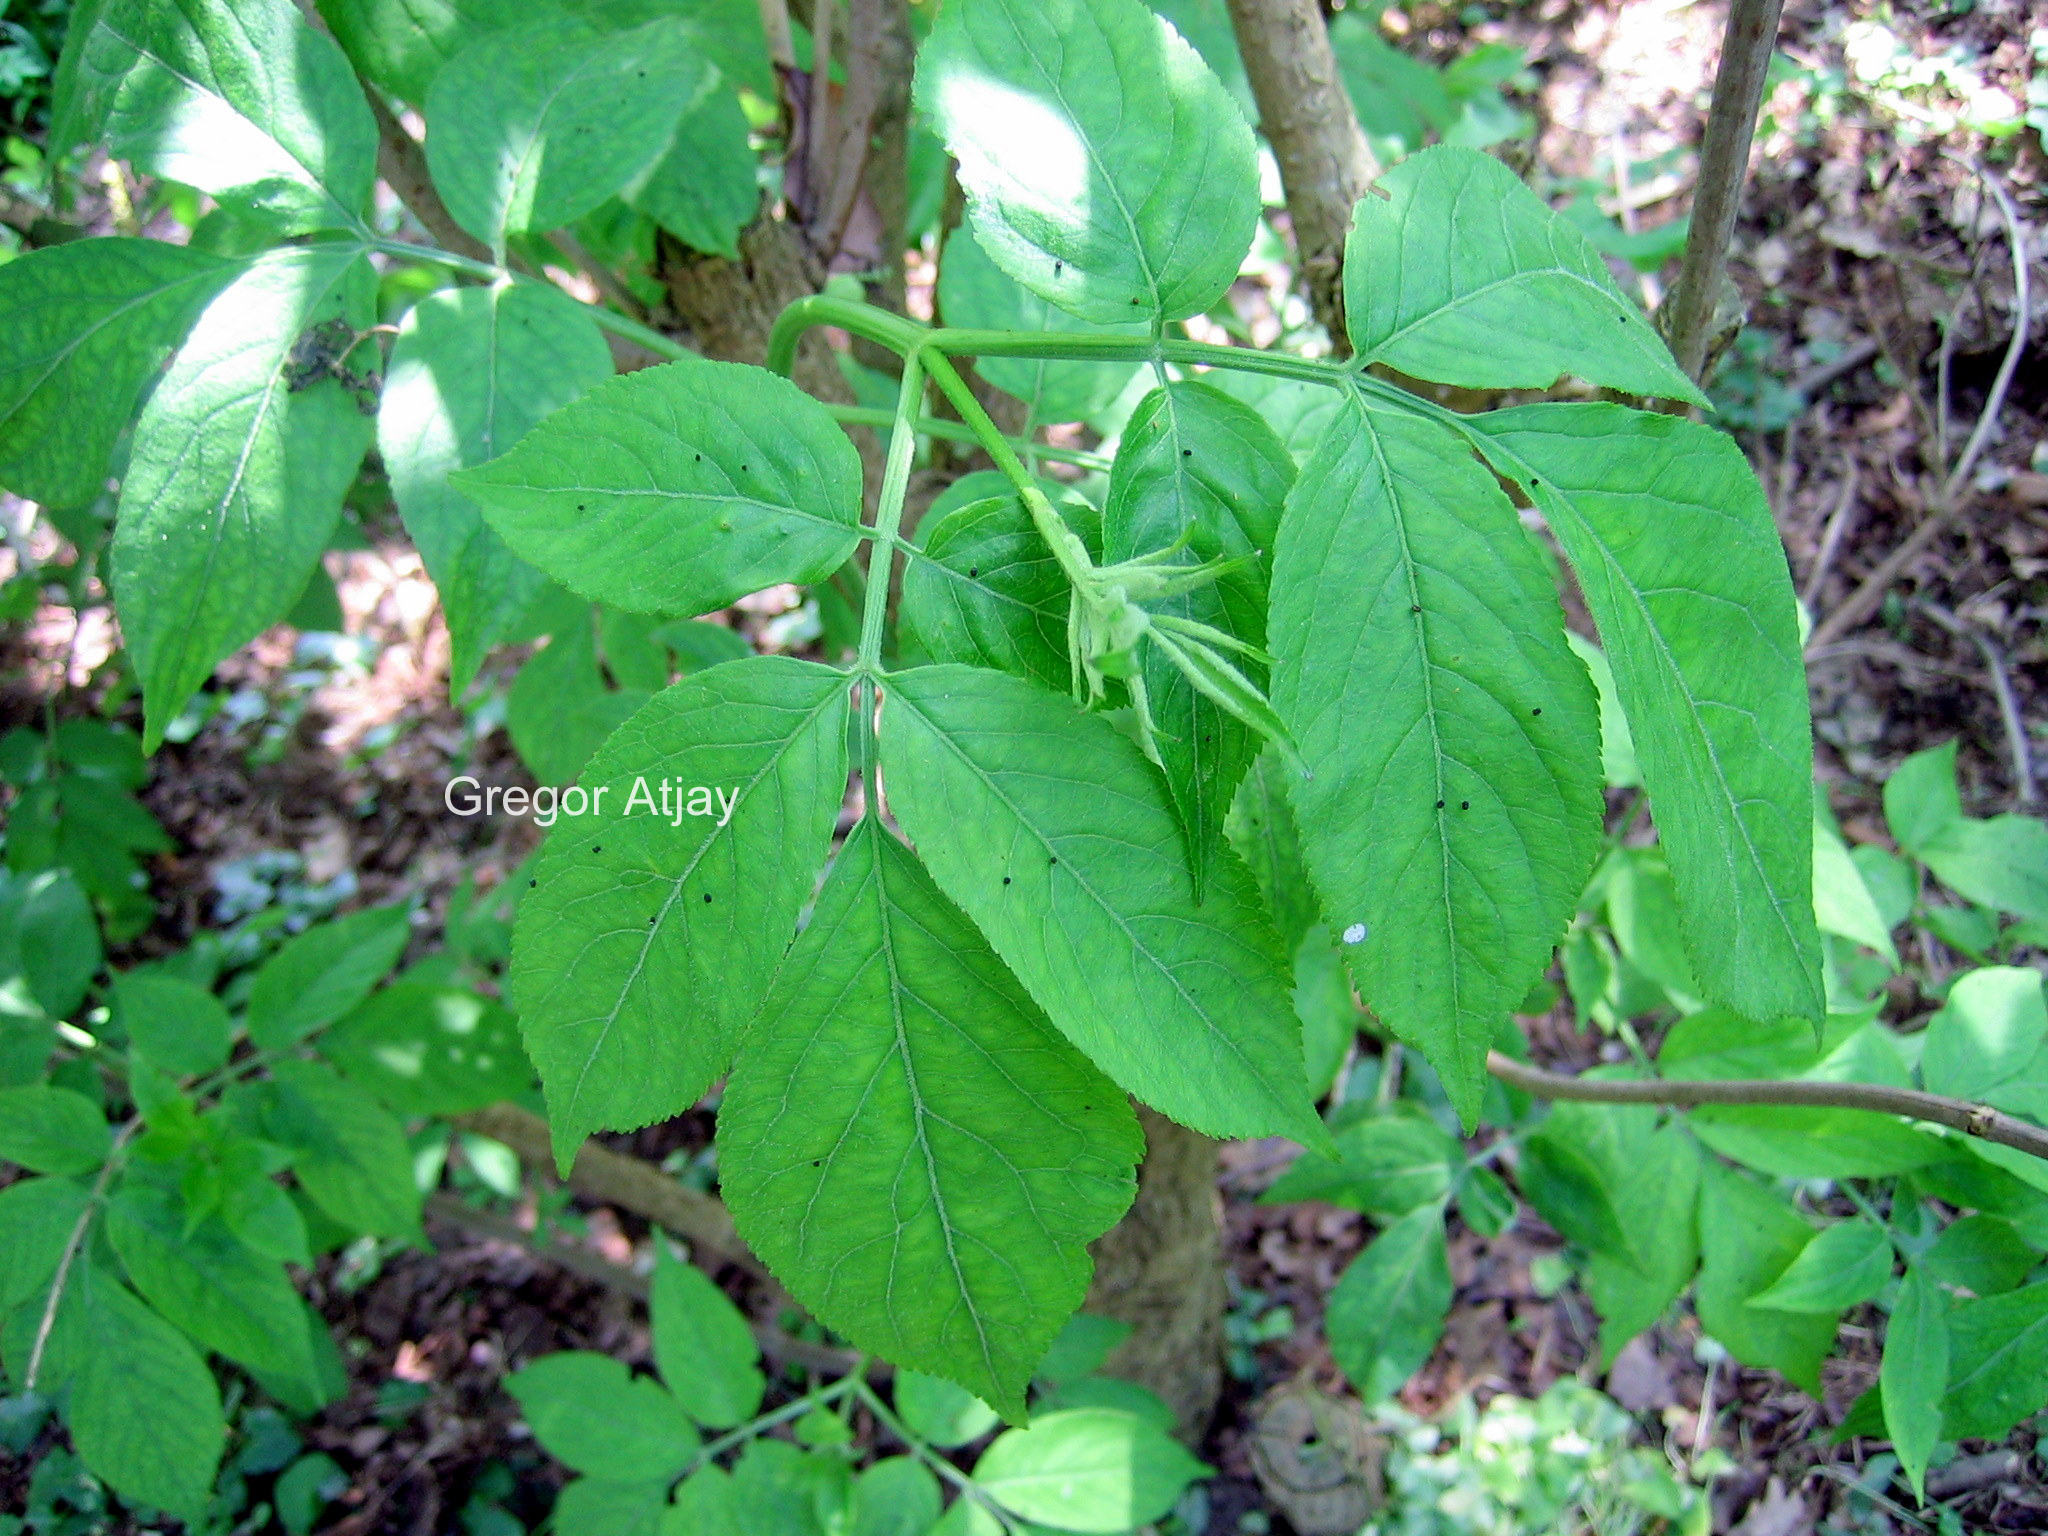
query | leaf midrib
(1117,918)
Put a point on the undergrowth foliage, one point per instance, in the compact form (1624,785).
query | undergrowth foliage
(1113,767)
(926,1123)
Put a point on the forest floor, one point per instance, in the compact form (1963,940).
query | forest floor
(1867,237)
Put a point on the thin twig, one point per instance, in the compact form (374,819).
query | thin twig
(451,1211)
(402,162)
(1979,1120)
(818,123)
(1863,602)
(776,34)
(616,1179)
(72,1244)
(1821,375)
(2001,690)
(2022,317)
(1839,522)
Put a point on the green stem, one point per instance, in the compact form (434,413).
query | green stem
(959,432)
(618,324)
(915,1444)
(72,1244)
(893,331)
(1067,548)
(794,1409)
(887,530)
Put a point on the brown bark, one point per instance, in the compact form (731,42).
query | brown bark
(613,1178)
(1724,167)
(402,162)
(1160,1269)
(1307,116)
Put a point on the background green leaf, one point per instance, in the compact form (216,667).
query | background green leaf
(88,323)
(531,127)
(1388,1308)
(182,1028)
(1088,1469)
(1914,1373)
(348,1154)
(1749,1236)
(595,1416)
(52,1130)
(1105,166)
(144,1412)
(472,372)
(323,973)
(704,1347)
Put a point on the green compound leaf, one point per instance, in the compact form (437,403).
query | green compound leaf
(179,1027)
(532,127)
(1914,1372)
(1845,1264)
(1749,1236)
(472,372)
(323,973)
(348,1154)
(703,1345)
(650,937)
(1202,470)
(199,1275)
(52,1130)
(1998,1357)
(1106,168)
(1388,1309)
(1462,275)
(212,542)
(976,294)
(910,1145)
(594,1416)
(1681,565)
(1455,817)
(87,323)
(678,489)
(144,1413)
(1052,832)
(229,96)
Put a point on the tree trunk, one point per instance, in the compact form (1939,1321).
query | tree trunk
(1307,117)
(1160,1269)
